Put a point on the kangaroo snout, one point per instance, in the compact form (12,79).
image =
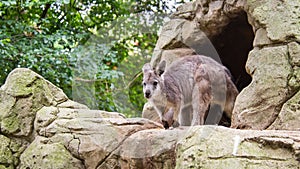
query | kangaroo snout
(147,94)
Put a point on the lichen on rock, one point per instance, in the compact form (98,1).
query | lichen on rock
(43,154)
(41,128)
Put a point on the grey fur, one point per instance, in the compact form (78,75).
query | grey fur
(184,92)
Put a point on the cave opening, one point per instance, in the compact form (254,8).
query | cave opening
(233,45)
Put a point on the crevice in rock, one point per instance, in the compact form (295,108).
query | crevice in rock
(291,91)
(233,45)
(137,123)
(112,152)
(77,153)
(250,157)
(274,44)
(33,82)
(279,108)
(129,133)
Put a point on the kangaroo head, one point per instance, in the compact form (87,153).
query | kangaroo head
(152,81)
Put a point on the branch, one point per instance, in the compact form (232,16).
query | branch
(45,11)
(43,15)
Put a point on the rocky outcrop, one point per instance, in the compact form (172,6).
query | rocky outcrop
(220,147)
(270,100)
(63,134)
(41,128)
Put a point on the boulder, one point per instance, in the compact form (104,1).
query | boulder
(272,15)
(219,147)
(267,66)
(22,95)
(268,99)
(43,154)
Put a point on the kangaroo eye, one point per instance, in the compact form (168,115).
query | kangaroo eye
(144,84)
(154,83)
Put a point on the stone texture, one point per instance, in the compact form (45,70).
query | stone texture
(68,135)
(22,97)
(6,155)
(219,147)
(150,113)
(261,38)
(72,104)
(10,150)
(91,135)
(146,149)
(273,63)
(193,24)
(41,128)
(288,118)
(269,101)
(171,55)
(294,54)
(260,113)
(43,154)
(280,18)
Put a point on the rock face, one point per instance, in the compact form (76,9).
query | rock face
(220,147)
(63,134)
(41,128)
(270,100)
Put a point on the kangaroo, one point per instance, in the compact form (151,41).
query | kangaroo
(190,90)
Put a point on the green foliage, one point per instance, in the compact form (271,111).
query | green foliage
(93,50)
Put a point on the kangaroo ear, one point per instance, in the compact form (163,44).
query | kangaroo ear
(161,68)
(146,67)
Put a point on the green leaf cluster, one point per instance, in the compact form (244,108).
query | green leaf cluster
(92,49)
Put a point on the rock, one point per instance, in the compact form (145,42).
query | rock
(261,39)
(43,154)
(294,53)
(274,62)
(171,55)
(10,150)
(90,135)
(268,96)
(146,149)
(72,104)
(18,86)
(23,93)
(266,66)
(150,113)
(169,37)
(193,24)
(6,155)
(202,148)
(288,118)
(41,128)
(68,135)
(273,15)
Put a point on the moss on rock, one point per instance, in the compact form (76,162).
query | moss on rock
(6,156)
(48,156)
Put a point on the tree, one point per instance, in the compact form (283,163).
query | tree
(66,40)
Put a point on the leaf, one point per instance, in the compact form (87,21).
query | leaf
(57,45)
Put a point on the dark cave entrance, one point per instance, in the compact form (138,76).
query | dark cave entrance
(233,45)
